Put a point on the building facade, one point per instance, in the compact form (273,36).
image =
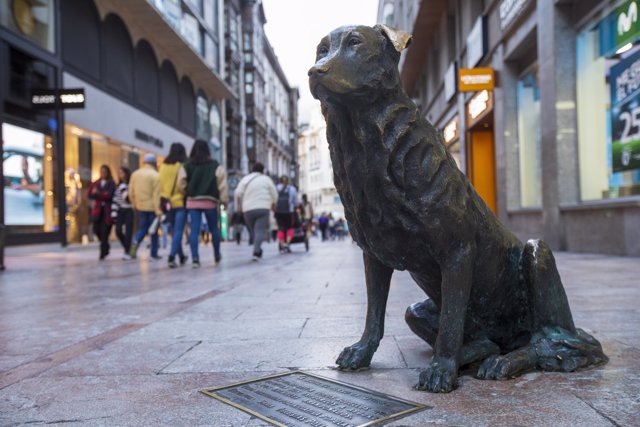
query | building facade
(270,103)
(553,147)
(316,171)
(150,74)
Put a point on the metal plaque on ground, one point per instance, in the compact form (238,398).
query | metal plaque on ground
(300,399)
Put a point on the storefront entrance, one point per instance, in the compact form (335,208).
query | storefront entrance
(482,167)
(481,163)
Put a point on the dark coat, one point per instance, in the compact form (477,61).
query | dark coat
(102,197)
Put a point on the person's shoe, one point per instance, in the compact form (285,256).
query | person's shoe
(196,263)
(173,264)
(257,255)
(287,249)
(183,259)
(126,257)
(133,251)
(218,259)
(156,257)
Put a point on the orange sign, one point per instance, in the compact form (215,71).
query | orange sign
(475,79)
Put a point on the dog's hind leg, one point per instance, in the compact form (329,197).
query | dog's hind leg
(556,344)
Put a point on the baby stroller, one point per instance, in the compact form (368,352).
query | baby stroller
(300,234)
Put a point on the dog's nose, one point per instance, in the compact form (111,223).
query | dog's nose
(317,70)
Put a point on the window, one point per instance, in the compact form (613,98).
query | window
(608,128)
(529,139)
(32,20)
(27,163)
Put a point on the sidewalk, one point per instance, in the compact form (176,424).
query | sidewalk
(132,342)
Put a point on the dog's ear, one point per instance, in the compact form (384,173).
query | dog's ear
(400,39)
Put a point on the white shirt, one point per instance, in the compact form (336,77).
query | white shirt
(255,191)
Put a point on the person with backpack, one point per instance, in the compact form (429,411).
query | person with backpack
(204,182)
(172,201)
(284,211)
(255,196)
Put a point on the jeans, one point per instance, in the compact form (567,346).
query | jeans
(257,221)
(177,218)
(145,219)
(195,216)
(124,227)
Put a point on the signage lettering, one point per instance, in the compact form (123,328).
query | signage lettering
(475,79)
(626,23)
(450,131)
(60,98)
(301,399)
(478,107)
(144,137)
(625,114)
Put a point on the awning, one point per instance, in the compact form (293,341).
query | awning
(428,19)
(144,21)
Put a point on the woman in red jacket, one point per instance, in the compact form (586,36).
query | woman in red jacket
(101,192)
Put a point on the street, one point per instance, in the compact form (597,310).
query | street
(133,342)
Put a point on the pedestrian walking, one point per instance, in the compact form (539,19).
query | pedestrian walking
(255,197)
(307,212)
(101,192)
(122,211)
(172,198)
(285,205)
(323,223)
(144,193)
(204,182)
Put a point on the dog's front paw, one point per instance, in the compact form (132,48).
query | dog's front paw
(357,356)
(441,376)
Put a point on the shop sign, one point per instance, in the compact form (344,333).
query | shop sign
(145,137)
(475,79)
(450,131)
(510,10)
(624,80)
(58,98)
(450,82)
(477,42)
(626,23)
(478,106)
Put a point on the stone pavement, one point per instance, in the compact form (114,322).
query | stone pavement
(131,343)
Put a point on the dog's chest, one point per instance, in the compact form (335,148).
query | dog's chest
(381,227)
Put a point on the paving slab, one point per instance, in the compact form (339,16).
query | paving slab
(132,343)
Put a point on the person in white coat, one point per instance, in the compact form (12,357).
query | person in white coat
(255,196)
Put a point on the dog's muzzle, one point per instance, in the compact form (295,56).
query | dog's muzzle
(315,75)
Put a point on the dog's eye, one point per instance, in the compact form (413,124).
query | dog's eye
(322,51)
(353,41)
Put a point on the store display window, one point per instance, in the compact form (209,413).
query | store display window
(608,108)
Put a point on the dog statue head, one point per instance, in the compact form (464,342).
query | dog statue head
(357,63)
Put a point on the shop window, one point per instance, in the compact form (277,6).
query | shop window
(80,32)
(118,56)
(34,20)
(608,118)
(146,76)
(30,204)
(529,139)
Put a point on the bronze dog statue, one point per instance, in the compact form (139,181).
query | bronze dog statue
(492,299)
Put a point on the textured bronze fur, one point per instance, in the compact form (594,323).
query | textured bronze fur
(492,299)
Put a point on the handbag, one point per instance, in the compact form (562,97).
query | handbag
(165,203)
